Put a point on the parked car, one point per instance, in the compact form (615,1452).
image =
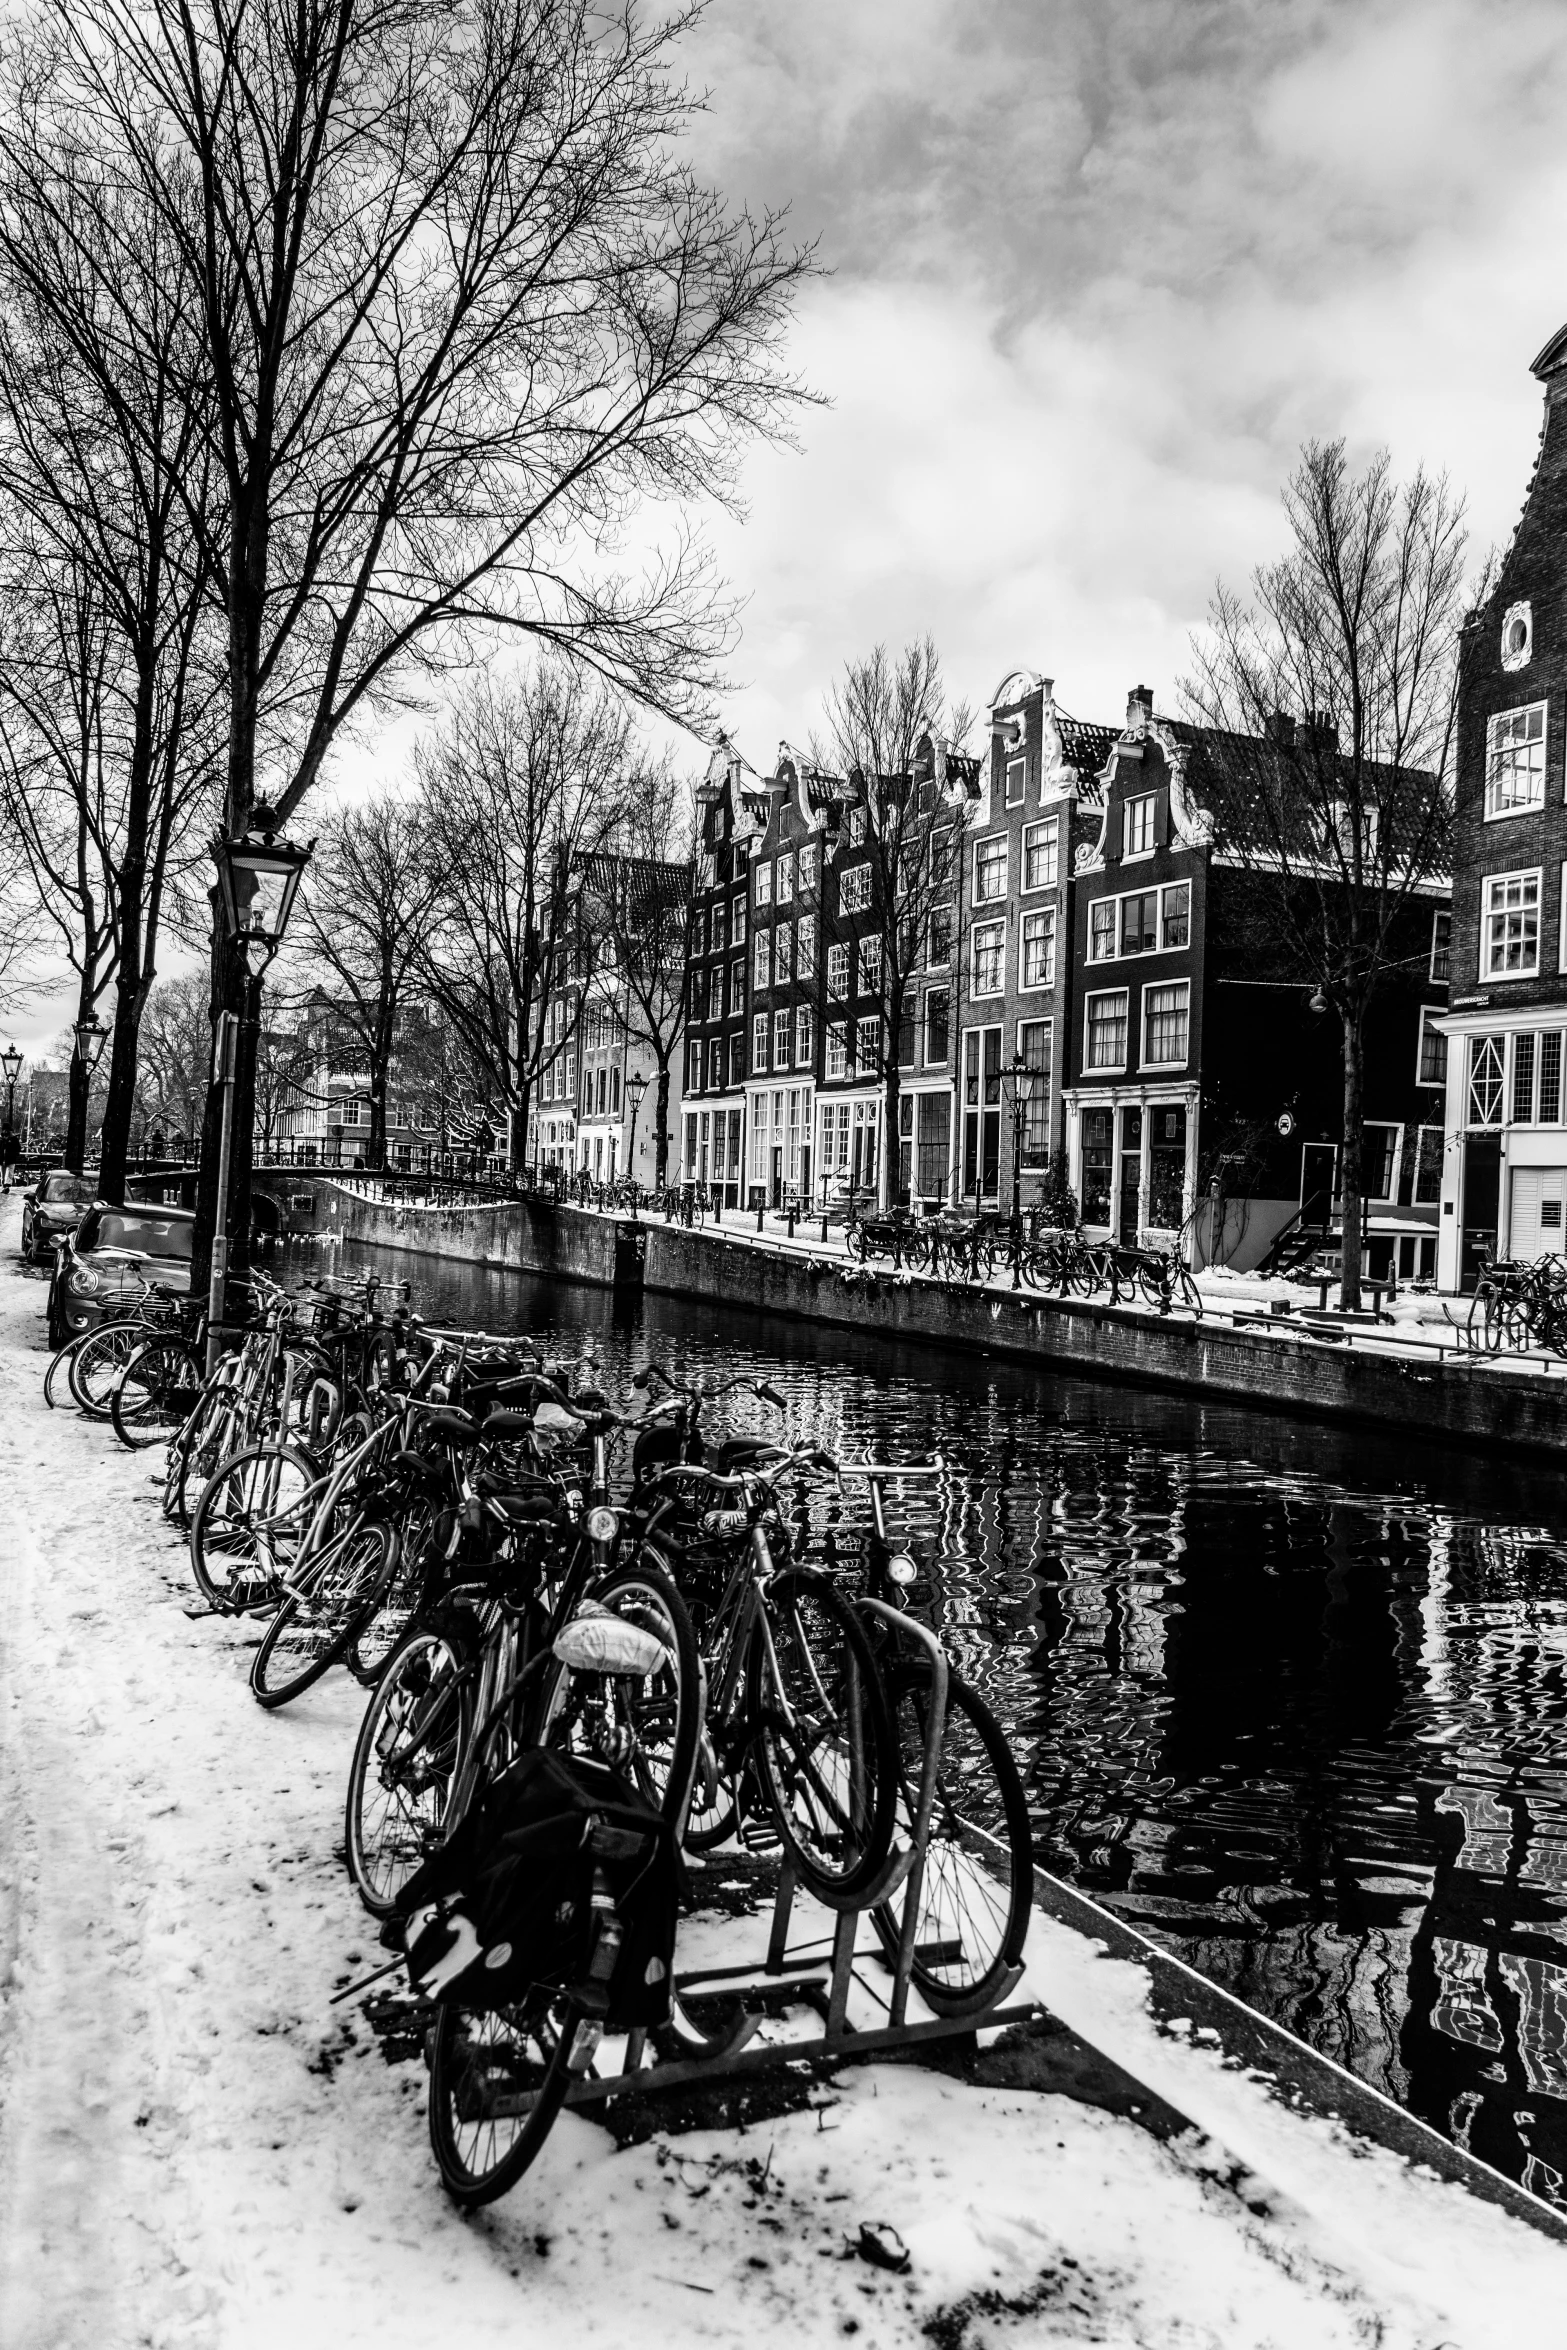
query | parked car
(52,1209)
(113,1252)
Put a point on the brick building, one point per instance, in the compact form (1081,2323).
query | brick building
(1504,1161)
(732,811)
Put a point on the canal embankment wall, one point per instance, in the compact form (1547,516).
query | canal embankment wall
(1464,1400)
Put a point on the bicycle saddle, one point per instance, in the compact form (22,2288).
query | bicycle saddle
(745,1452)
(506,1424)
(452,1427)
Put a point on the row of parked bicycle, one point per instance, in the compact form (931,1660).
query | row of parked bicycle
(580,1668)
(977,1248)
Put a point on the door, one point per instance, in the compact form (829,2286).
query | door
(777,1175)
(1131,1172)
(1318,1182)
(1482,1203)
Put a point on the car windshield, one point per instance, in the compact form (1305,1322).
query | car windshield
(58,1191)
(154,1236)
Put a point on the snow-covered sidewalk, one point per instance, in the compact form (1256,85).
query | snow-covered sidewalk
(196,2148)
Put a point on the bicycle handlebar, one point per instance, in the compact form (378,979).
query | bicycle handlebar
(695,1394)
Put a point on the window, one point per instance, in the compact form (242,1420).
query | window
(782,1025)
(1017,779)
(1040,844)
(867,1044)
(571,1074)
(764,885)
(1485,1080)
(1140,923)
(699,933)
(783,940)
(804,1039)
(1431,1067)
(1101,931)
(694,1080)
(838,970)
(805,947)
(856,828)
(1523,1080)
(807,868)
(854,889)
(785,880)
(1137,837)
(737,987)
(870,966)
(1097,1170)
(837,1050)
(990,870)
(938,1019)
(1166,1018)
(715,993)
(764,958)
(941,860)
(759,1042)
(715,1064)
(1511,937)
(1107,1031)
(1039,948)
(1176,921)
(718,929)
(1428,1165)
(1551,1078)
(1441,945)
(1517,636)
(1515,761)
(1033,1044)
(704,870)
(737,929)
(939,953)
(1379,1160)
(990,955)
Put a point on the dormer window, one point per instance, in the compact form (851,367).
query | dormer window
(1517,636)
(1017,780)
(1139,826)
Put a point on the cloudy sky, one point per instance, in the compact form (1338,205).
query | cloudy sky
(1098,267)
(1094,270)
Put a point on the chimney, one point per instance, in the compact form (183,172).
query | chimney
(1280,729)
(1139,707)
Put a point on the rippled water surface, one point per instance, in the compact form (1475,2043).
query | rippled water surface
(1290,1699)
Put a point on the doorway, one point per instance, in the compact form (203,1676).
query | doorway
(1131,1172)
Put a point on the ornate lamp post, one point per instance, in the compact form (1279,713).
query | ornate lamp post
(258,881)
(636,1087)
(1017,1081)
(11,1064)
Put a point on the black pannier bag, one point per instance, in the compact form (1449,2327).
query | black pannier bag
(560,1875)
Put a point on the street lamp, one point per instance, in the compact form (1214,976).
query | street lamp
(258,879)
(11,1063)
(636,1087)
(91,1037)
(1018,1079)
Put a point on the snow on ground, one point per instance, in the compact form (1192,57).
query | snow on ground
(196,2149)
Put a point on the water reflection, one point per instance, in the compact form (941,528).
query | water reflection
(1292,1700)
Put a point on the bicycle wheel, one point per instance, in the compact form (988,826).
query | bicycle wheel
(823,1737)
(644,1727)
(378,1636)
(497,2081)
(317,1619)
(406,1757)
(60,1362)
(973,1919)
(155,1393)
(98,1362)
(246,1529)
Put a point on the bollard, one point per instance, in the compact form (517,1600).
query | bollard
(758,1215)
(824,1231)
(718,1211)
(791,1223)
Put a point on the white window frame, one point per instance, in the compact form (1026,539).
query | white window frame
(783,888)
(783,1027)
(1169,890)
(762,961)
(803,1038)
(1438,978)
(1106,995)
(807,871)
(1177,987)
(1396,1158)
(1428,1012)
(862,1060)
(926,1061)
(1017,773)
(997,897)
(839,970)
(758,1043)
(1144,800)
(868,958)
(932,961)
(1026,986)
(764,884)
(1123,953)
(987,931)
(1494,748)
(837,1065)
(1114,905)
(854,889)
(1050,825)
(1493,881)
(805,947)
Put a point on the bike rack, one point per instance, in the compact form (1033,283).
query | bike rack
(785,1978)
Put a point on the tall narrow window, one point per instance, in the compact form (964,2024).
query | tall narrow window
(989,958)
(1040,863)
(764,885)
(782,1024)
(1140,923)
(1551,1077)
(1432,1064)
(764,958)
(805,947)
(1033,1040)
(1039,948)
(1523,1080)
(759,1042)
(785,880)
(1428,1166)
(838,969)
(1017,778)
(1101,931)
(804,1039)
(1176,920)
(1138,833)
(1441,946)
(1485,1080)
(990,870)
(938,1016)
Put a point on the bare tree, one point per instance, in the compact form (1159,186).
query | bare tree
(465,311)
(372,897)
(175,1054)
(103,465)
(639,917)
(889,725)
(520,790)
(1334,682)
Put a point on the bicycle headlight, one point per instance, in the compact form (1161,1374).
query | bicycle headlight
(603,1525)
(901,1568)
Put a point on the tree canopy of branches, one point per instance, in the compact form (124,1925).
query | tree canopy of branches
(175,1051)
(1334,680)
(372,894)
(466,318)
(889,727)
(520,789)
(637,916)
(104,481)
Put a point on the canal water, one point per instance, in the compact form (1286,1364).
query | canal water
(1291,1699)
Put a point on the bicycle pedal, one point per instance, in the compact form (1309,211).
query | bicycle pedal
(758,1837)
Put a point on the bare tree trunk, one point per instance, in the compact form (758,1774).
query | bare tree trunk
(661,1126)
(892,1153)
(1350,1174)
